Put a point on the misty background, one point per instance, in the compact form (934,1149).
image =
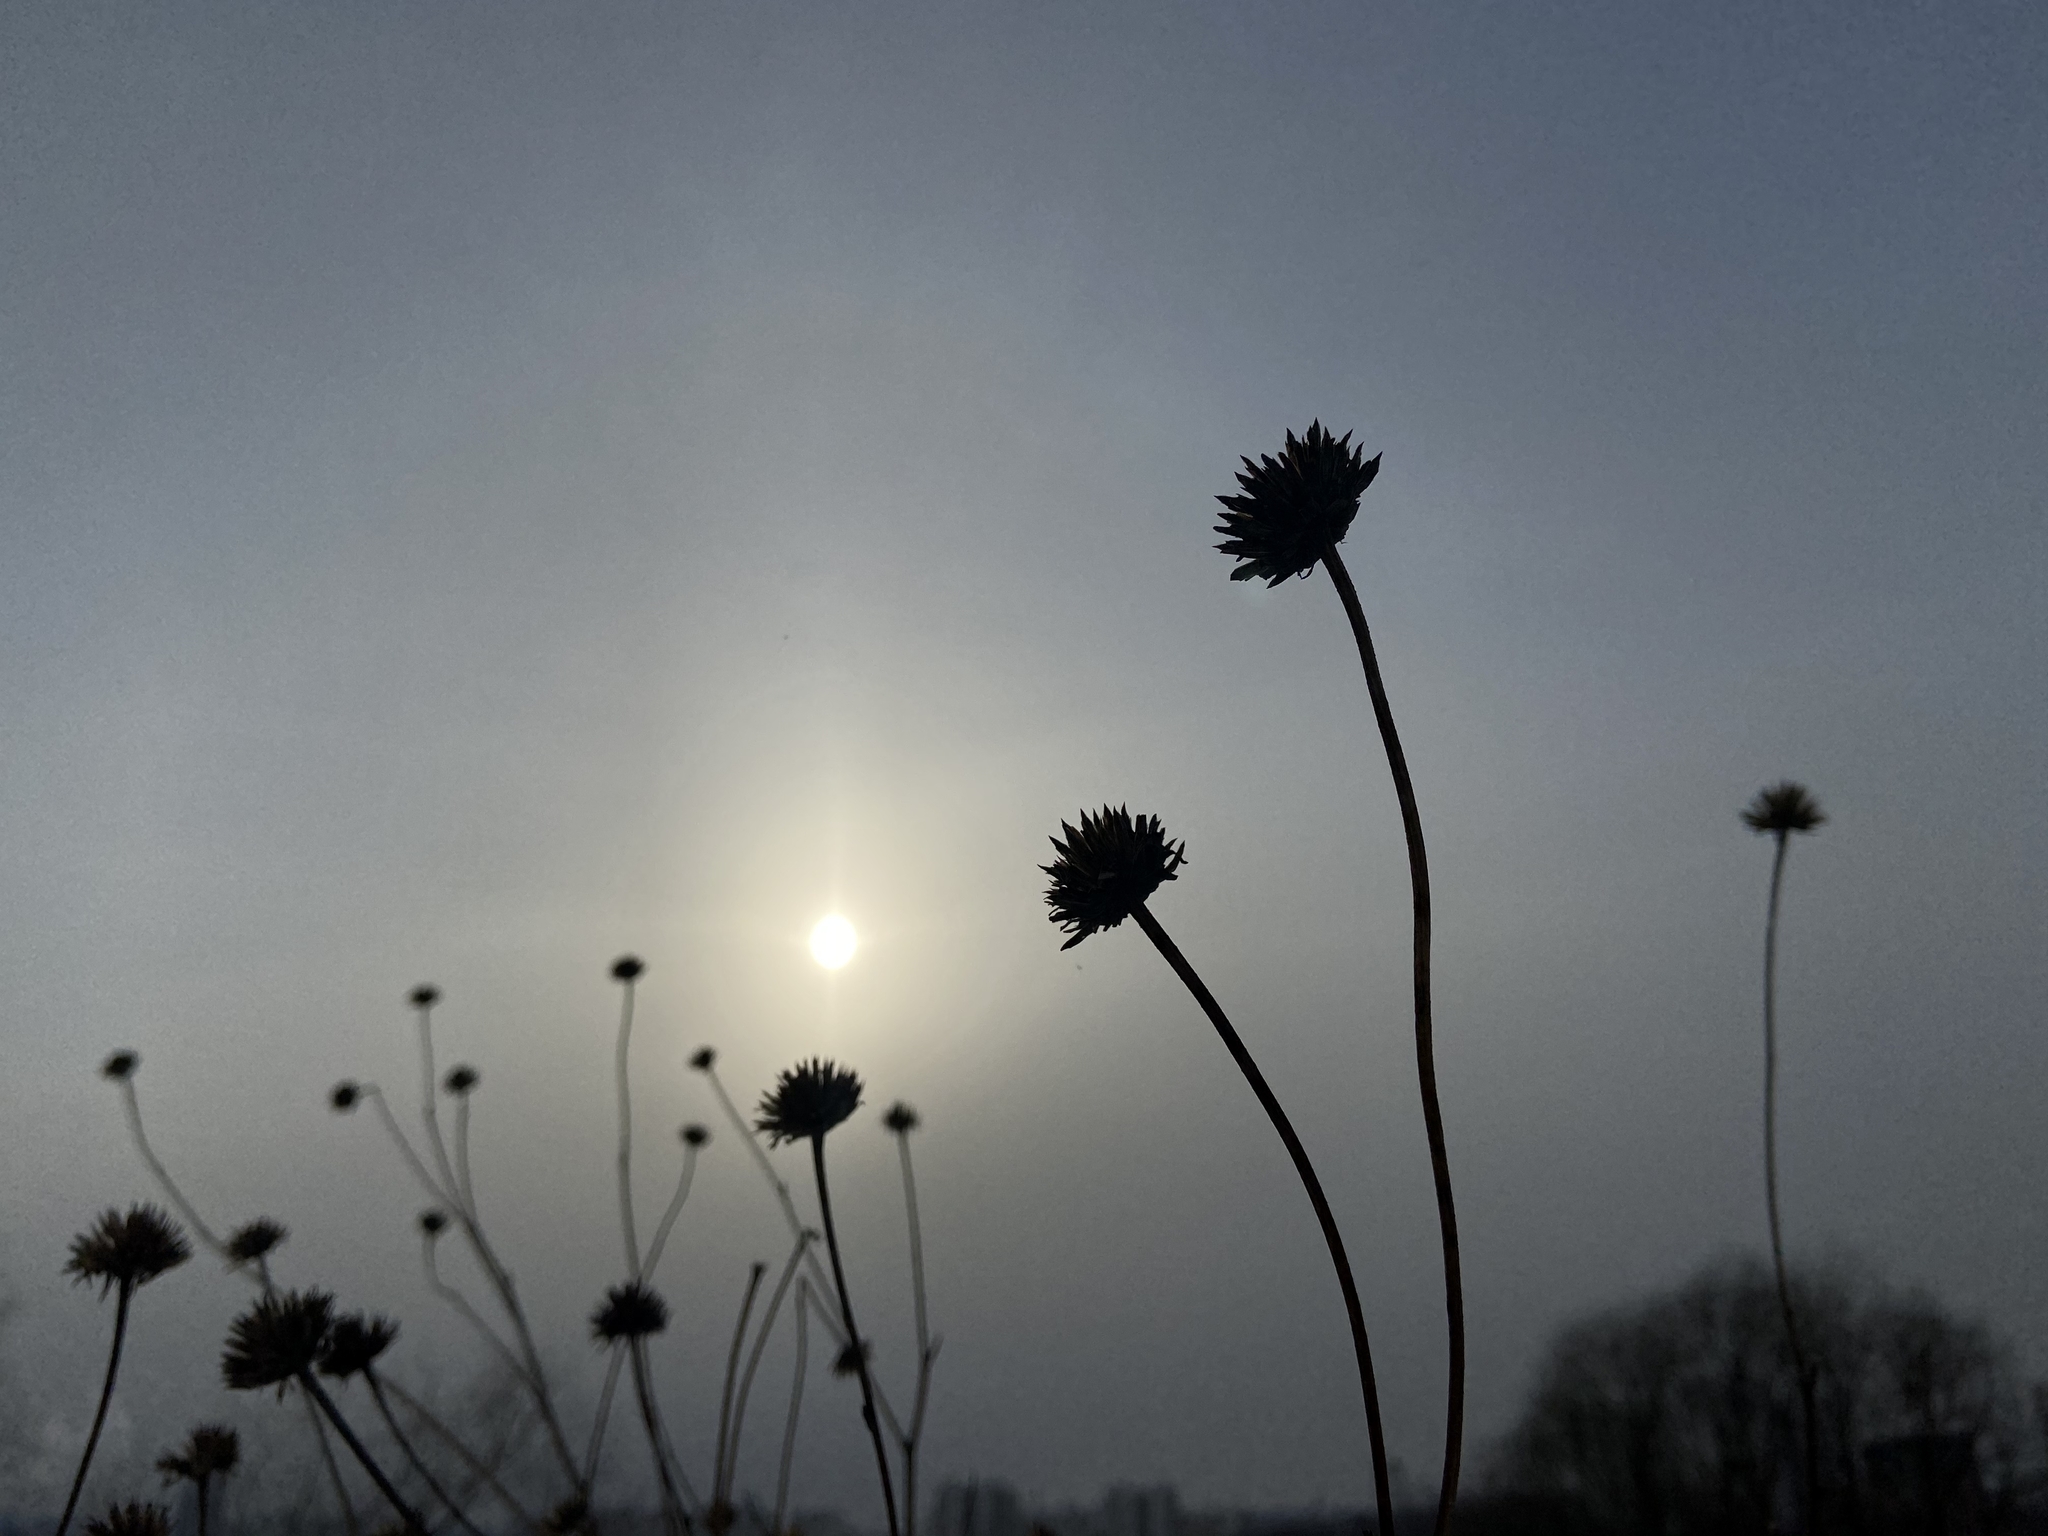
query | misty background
(491,486)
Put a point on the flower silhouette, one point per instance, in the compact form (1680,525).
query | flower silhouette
(1106,868)
(1293,509)
(808,1100)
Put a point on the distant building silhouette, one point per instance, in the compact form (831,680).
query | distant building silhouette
(978,1508)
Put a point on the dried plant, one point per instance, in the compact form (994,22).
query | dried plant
(210,1451)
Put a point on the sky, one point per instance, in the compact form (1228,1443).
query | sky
(488,487)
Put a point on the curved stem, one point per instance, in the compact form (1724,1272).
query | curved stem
(406,1516)
(671,1501)
(1804,1371)
(604,1414)
(1368,1385)
(859,1351)
(925,1352)
(796,1402)
(430,1115)
(436,1191)
(739,1411)
(162,1174)
(719,1489)
(668,1217)
(99,1419)
(470,1315)
(462,1181)
(626,1232)
(334,1479)
(1425,1046)
(478,1468)
(412,1456)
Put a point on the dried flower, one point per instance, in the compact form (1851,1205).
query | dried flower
(630,1311)
(1783,808)
(131,1519)
(1295,507)
(354,1342)
(694,1135)
(901,1118)
(1106,869)
(433,1223)
(807,1101)
(628,968)
(120,1066)
(425,995)
(277,1340)
(247,1244)
(460,1080)
(702,1058)
(344,1096)
(127,1250)
(211,1450)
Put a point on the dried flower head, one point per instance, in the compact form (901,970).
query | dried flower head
(277,1340)
(1294,508)
(807,1101)
(131,1519)
(120,1066)
(694,1135)
(702,1058)
(1783,808)
(630,1311)
(247,1244)
(344,1096)
(628,968)
(211,1450)
(900,1118)
(461,1080)
(127,1250)
(1106,869)
(852,1357)
(354,1343)
(433,1223)
(425,995)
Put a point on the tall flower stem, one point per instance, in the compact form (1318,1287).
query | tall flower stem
(796,1402)
(626,1232)
(1368,1385)
(350,1522)
(859,1352)
(1808,1407)
(412,1456)
(602,1418)
(671,1500)
(719,1490)
(478,1468)
(1425,1045)
(925,1352)
(675,1209)
(99,1419)
(406,1515)
(133,1107)
(739,1408)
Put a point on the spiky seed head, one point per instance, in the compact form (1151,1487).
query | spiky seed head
(694,1135)
(354,1343)
(128,1250)
(1292,509)
(344,1096)
(461,1080)
(423,996)
(1782,808)
(120,1066)
(1106,868)
(248,1243)
(433,1223)
(702,1058)
(630,1311)
(900,1118)
(277,1340)
(628,968)
(211,1450)
(852,1357)
(131,1519)
(808,1100)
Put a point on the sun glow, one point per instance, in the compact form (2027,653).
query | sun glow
(833,942)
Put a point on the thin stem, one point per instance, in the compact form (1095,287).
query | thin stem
(455,1299)
(411,1455)
(406,1516)
(671,1501)
(604,1414)
(468,1457)
(668,1217)
(1807,1406)
(855,1345)
(719,1489)
(626,1232)
(334,1478)
(796,1402)
(925,1352)
(1368,1385)
(162,1174)
(99,1419)
(462,1182)
(1425,1046)
(436,1191)
(739,1412)
(430,1115)
(202,1480)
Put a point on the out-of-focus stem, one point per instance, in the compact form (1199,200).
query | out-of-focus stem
(657,1441)
(739,1412)
(406,1515)
(334,1477)
(469,1458)
(719,1490)
(162,1174)
(668,1217)
(855,1347)
(470,1315)
(412,1456)
(626,1232)
(604,1414)
(925,1352)
(462,1182)
(796,1402)
(99,1419)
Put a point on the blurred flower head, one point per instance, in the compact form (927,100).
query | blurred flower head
(247,1244)
(630,1311)
(354,1342)
(1106,868)
(461,1080)
(211,1450)
(1292,509)
(628,968)
(131,1519)
(127,1250)
(852,1357)
(425,995)
(433,1223)
(694,1135)
(120,1066)
(1783,808)
(702,1058)
(277,1340)
(900,1118)
(808,1100)
(344,1096)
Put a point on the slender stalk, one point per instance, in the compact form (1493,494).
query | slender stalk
(925,1352)
(739,1412)
(719,1489)
(99,1419)
(469,1458)
(604,1414)
(202,1481)
(361,1452)
(671,1501)
(412,1456)
(668,1217)
(860,1358)
(1425,1046)
(1368,1385)
(462,1183)
(470,1315)
(436,1191)
(429,1114)
(162,1174)
(626,1232)
(1807,1406)
(796,1401)
(333,1467)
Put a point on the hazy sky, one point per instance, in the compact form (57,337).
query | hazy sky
(488,486)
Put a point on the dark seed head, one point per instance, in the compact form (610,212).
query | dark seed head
(277,1340)
(247,1244)
(1783,808)
(433,1223)
(425,995)
(851,1358)
(1106,868)
(354,1342)
(628,968)
(211,1450)
(1293,509)
(120,1066)
(461,1080)
(131,1520)
(127,1250)
(900,1118)
(702,1058)
(808,1100)
(630,1311)
(344,1096)
(694,1135)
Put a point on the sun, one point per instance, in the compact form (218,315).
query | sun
(833,942)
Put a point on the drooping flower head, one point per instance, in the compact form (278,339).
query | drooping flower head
(900,1119)
(628,968)
(131,1519)
(1106,868)
(630,1311)
(120,1066)
(694,1135)
(461,1080)
(248,1243)
(344,1096)
(277,1340)
(211,1450)
(127,1250)
(423,996)
(702,1058)
(808,1100)
(354,1343)
(1783,808)
(1293,508)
